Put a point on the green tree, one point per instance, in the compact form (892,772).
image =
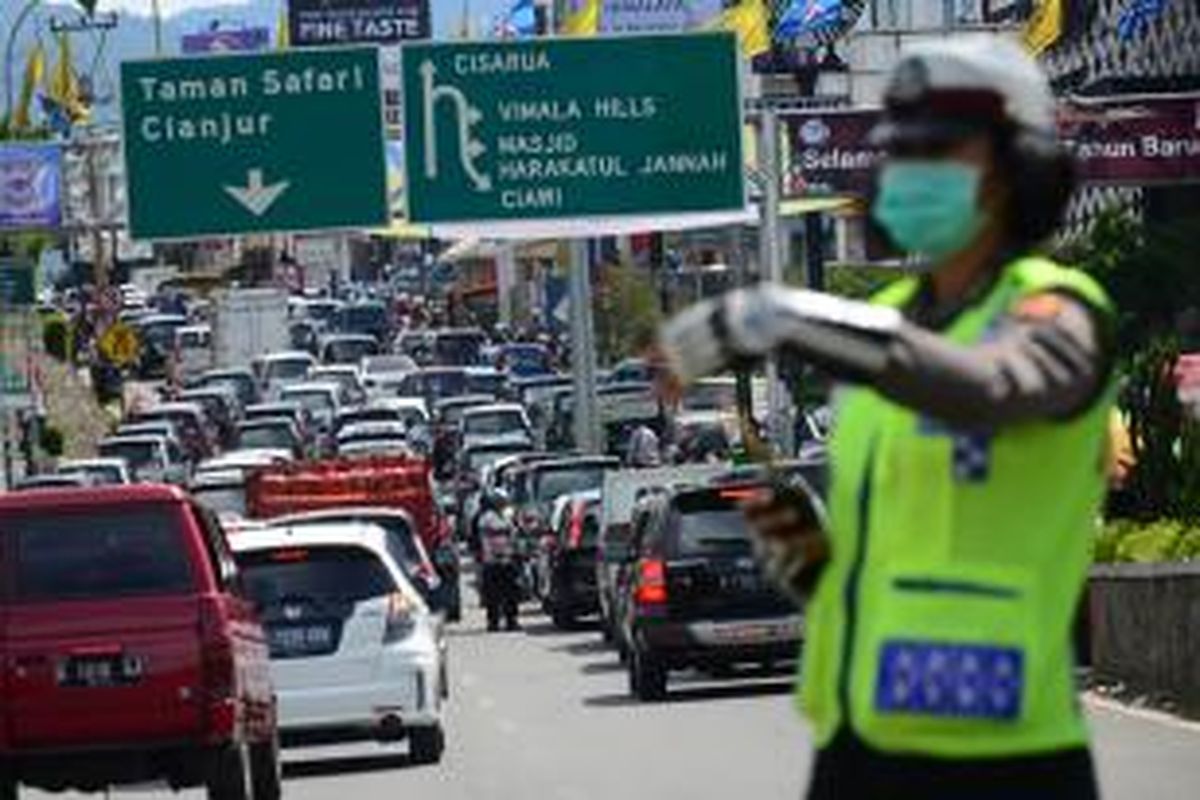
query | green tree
(1150,272)
(627,312)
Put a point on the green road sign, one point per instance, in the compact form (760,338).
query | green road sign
(572,128)
(288,141)
(16,282)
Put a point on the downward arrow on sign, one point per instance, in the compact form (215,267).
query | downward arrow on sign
(255,196)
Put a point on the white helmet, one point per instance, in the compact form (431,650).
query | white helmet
(949,88)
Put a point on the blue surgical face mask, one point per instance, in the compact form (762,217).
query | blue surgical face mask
(930,207)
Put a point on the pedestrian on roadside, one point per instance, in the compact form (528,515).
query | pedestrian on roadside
(967,454)
(499,587)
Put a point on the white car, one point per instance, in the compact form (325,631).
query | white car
(276,370)
(497,423)
(356,654)
(383,373)
(321,400)
(151,458)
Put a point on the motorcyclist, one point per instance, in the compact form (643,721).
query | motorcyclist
(499,564)
(967,465)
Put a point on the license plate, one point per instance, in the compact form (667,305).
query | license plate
(95,672)
(292,640)
(749,633)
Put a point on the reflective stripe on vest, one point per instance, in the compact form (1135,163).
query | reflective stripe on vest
(942,623)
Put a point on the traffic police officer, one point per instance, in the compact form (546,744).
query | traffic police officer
(967,464)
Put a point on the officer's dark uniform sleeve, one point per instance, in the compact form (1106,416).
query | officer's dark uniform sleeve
(1048,358)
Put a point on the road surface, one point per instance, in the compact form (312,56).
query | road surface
(544,714)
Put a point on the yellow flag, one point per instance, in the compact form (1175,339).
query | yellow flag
(35,71)
(585,21)
(751,22)
(63,86)
(1045,26)
(283,34)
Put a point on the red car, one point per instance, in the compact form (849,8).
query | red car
(127,651)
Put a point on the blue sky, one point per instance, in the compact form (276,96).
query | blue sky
(446,13)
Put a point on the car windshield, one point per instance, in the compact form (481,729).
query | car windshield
(287,369)
(316,574)
(550,484)
(100,553)
(312,400)
(363,319)
(382,365)
(435,384)
(459,349)
(222,499)
(243,385)
(528,356)
(493,423)
(400,541)
(278,437)
(340,376)
(322,311)
(453,414)
(710,525)
(350,351)
(485,383)
(135,454)
(161,334)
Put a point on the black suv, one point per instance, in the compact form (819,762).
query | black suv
(695,596)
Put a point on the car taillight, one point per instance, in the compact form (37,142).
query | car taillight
(401,618)
(651,583)
(219,672)
(575,533)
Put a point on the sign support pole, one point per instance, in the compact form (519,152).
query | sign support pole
(771,264)
(583,350)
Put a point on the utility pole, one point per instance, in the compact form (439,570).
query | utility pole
(158,44)
(583,349)
(770,263)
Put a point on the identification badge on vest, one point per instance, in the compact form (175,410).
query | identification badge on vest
(971,459)
(940,679)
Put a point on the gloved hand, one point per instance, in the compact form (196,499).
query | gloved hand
(845,336)
(790,540)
